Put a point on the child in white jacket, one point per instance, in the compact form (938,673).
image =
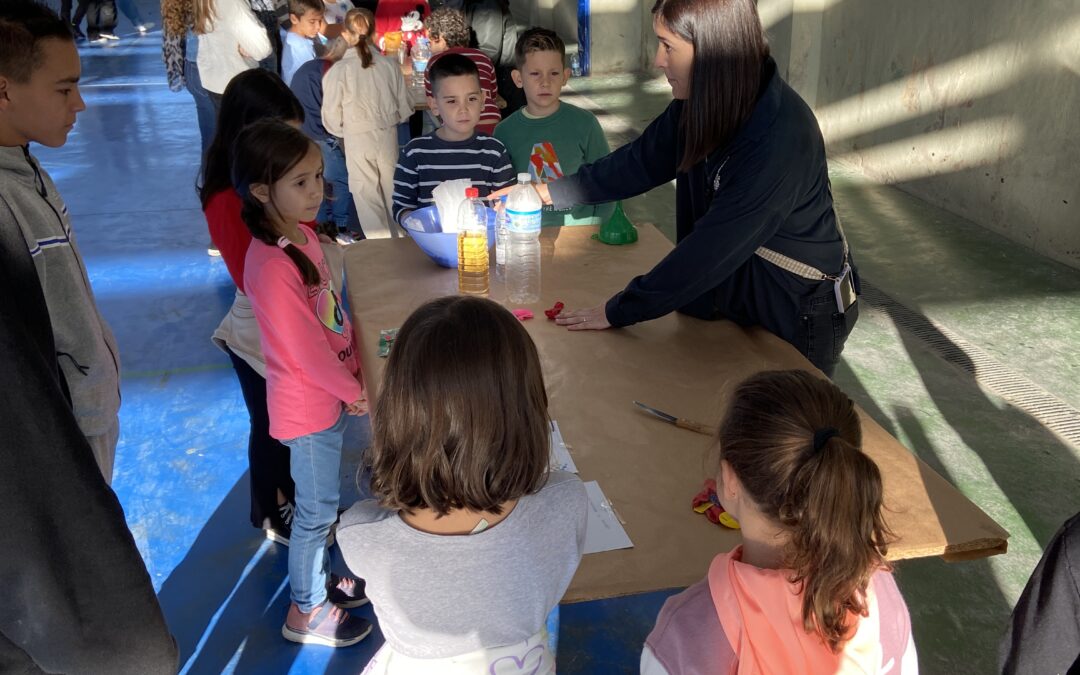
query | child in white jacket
(364,101)
(231,40)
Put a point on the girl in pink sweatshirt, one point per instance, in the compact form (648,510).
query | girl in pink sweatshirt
(312,370)
(809,590)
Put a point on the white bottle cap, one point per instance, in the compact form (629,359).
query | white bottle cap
(524,178)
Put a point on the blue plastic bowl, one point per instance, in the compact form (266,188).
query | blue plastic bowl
(424,228)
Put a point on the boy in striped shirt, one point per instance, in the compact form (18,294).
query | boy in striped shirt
(449,34)
(455,150)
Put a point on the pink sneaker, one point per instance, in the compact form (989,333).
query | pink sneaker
(327,625)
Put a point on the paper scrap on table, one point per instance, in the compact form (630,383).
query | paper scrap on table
(603,531)
(560,454)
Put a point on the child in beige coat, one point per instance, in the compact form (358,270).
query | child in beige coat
(364,100)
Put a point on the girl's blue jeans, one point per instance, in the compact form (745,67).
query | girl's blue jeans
(316,469)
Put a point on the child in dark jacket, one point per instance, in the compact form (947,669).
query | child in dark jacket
(307,83)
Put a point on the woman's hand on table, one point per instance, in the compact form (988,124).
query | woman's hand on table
(594,318)
(541,189)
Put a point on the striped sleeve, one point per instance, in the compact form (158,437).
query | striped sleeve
(491,113)
(406,183)
(502,173)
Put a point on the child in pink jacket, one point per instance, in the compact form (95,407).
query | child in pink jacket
(312,370)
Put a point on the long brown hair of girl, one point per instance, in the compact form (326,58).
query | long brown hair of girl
(205,14)
(794,441)
(262,154)
(467,432)
(362,23)
(730,49)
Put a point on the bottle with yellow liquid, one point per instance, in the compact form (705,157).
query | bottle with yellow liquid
(472,245)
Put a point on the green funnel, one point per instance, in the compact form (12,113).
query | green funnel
(618,229)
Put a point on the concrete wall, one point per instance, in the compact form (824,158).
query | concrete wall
(617,34)
(973,105)
(558,15)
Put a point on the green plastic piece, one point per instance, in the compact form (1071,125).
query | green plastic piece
(618,230)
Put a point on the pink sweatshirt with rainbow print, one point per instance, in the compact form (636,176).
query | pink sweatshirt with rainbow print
(307,340)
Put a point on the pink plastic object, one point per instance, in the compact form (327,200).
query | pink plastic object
(522,314)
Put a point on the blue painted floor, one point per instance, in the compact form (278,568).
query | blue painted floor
(127,174)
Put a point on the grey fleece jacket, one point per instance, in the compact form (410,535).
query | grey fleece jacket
(85,346)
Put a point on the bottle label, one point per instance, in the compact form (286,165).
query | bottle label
(523,221)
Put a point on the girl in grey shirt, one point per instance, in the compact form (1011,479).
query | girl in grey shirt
(471,542)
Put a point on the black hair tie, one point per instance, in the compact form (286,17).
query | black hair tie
(822,436)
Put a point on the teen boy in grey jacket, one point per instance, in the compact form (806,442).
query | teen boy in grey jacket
(85,346)
(77,597)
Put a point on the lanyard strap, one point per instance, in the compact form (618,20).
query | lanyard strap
(802,269)
(785,262)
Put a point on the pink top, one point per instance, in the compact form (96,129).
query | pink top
(743,619)
(307,340)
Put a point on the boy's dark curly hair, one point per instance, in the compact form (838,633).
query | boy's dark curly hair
(449,24)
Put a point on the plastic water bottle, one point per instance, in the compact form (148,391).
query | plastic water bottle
(502,240)
(523,221)
(421,54)
(472,245)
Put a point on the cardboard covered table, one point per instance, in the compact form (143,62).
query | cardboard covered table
(650,470)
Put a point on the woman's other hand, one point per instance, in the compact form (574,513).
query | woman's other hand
(594,318)
(541,189)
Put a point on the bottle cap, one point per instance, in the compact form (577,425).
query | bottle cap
(472,192)
(524,178)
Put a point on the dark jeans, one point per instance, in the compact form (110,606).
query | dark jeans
(131,11)
(100,17)
(823,330)
(268,459)
(819,333)
(269,20)
(338,206)
(205,110)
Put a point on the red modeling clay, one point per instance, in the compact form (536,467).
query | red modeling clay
(554,311)
(522,314)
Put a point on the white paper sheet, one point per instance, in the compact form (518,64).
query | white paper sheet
(603,531)
(560,452)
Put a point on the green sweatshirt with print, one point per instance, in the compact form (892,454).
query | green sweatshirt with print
(551,147)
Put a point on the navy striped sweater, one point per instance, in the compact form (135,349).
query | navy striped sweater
(429,160)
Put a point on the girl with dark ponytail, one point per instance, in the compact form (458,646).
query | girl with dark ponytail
(252,95)
(312,369)
(810,589)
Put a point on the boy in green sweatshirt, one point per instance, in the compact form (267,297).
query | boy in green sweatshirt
(549,138)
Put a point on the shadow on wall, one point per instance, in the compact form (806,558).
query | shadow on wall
(969,105)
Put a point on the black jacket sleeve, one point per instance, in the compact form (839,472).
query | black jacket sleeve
(1044,632)
(77,594)
(635,168)
(747,211)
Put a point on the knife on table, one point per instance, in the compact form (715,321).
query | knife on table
(682,423)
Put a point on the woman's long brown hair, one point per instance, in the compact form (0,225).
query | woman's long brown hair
(794,441)
(729,55)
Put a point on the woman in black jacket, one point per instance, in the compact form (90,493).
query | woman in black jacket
(758,240)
